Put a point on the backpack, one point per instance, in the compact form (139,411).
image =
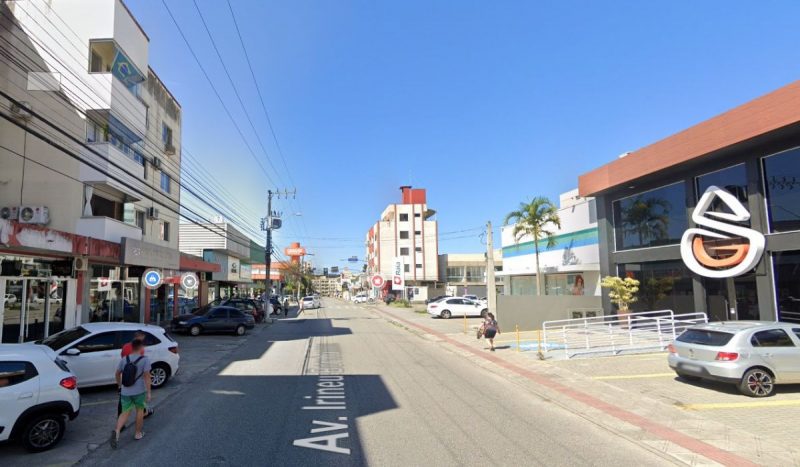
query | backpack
(129,371)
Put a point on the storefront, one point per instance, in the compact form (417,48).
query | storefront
(709,219)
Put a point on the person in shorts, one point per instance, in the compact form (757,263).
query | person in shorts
(135,396)
(127,350)
(490,329)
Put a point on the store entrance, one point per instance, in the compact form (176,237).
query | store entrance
(31,308)
(734,298)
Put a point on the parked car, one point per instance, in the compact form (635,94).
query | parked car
(37,395)
(437,298)
(360,298)
(252,307)
(10,298)
(474,298)
(217,319)
(753,355)
(311,301)
(456,306)
(277,305)
(92,351)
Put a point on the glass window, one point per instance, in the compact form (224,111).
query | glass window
(563,284)
(710,338)
(166,135)
(475,273)
(416,214)
(166,183)
(419,266)
(164,234)
(220,313)
(403,217)
(732,179)
(417,232)
(787,285)
(782,182)
(653,218)
(523,285)
(102,56)
(407,267)
(404,251)
(404,234)
(418,249)
(455,273)
(63,338)
(771,338)
(98,343)
(663,285)
(12,373)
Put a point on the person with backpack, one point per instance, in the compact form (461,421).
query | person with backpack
(490,329)
(127,349)
(133,379)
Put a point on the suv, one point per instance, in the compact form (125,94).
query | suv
(37,394)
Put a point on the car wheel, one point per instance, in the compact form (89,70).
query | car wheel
(159,374)
(445,314)
(240,330)
(484,313)
(757,382)
(43,432)
(690,378)
(194,330)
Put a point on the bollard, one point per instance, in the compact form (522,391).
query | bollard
(465,324)
(540,354)
(518,348)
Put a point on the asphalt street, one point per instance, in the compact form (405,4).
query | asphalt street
(343,386)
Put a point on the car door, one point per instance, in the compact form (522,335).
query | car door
(97,361)
(218,320)
(779,351)
(471,308)
(19,390)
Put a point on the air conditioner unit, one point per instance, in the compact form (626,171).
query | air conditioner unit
(169,149)
(80,263)
(34,215)
(157,162)
(152,213)
(21,111)
(9,213)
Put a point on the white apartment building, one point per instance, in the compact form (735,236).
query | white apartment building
(405,230)
(89,167)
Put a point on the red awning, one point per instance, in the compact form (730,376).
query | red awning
(197,264)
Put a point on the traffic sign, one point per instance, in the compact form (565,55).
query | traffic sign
(189,280)
(152,278)
(377,281)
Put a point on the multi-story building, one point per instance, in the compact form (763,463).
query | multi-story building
(89,168)
(465,273)
(406,232)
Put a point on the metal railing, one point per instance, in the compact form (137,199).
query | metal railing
(615,334)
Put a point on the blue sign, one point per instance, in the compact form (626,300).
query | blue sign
(152,279)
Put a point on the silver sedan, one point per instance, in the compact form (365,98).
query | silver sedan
(753,355)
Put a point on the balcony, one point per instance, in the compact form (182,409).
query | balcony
(113,164)
(110,94)
(106,228)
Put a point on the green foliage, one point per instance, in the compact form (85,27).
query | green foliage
(402,303)
(622,292)
(537,219)
(655,289)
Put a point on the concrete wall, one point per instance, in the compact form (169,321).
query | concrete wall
(529,312)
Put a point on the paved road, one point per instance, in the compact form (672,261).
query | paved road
(342,386)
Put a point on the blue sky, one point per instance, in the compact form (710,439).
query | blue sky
(485,104)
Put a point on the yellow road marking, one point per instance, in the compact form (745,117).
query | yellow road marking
(740,405)
(99,402)
(649,375)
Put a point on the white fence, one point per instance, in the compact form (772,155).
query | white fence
(615,334)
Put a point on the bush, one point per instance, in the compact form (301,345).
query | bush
(402,303)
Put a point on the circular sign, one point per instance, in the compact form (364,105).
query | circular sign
(152,279)
(189,280)
(377,281)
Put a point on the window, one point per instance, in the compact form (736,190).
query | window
(416,214)
(455,301)
(419,266)
(404,234)
(219,314)
(63,338)
(166,135)
(140,220)
(663,285)
(564,284)
(417,232)
(102,57)
(418,249)
(403,251)
(710,338)
(98,343)
(164,234)
(787,285)
(475,273)
(455,273)
(407,267)
(771,338)
(12,373)
(796,332)
(103,207)
(653,218)
(166,183)
(127,336)
(403,217)
(782,184)
(732,179)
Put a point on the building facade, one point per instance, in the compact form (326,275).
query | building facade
(465,273)
(708,219)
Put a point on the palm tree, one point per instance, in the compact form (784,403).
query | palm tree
(536,220)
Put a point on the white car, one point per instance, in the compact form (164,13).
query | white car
(360,298)
(92,351)
(10,298)
(37,394)
(456,306)
(310,301)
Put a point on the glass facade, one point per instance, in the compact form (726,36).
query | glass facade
(112,299)
(652,218)
(564,284)
(455,273)
(782,185)
(663,285)
(732,179)
(787,285)
(523,285)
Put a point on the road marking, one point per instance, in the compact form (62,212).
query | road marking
(108,401)
(740,405)
(642,376)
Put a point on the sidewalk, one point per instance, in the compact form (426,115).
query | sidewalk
(638,398)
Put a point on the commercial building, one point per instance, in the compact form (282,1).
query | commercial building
(708,219)
(465,273)
(89,169)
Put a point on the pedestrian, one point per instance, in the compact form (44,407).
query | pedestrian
(127,349)
(490,329)
(133,379)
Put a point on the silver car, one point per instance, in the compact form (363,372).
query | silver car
(753,355)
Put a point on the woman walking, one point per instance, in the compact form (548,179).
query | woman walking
(490,329)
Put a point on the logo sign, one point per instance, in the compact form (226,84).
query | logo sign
(294,251)
(103,284)
(398,276)
(152,279)
(728,250)
(189,280)
(377,281)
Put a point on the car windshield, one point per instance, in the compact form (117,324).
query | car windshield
(63,338)
(705,337)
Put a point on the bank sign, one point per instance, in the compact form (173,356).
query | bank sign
(398,274)
(719,247)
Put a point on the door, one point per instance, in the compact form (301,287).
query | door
(471,308)
(745,296)
(218,320)
(13,310)
(779,351)
(98,359)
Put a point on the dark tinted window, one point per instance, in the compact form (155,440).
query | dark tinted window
(237,314)
(663,285)
(733,180)
(219,313)
(454,301)
(771,338)
(127,336)
(782,180)
(98,343)
(63,338)
(703,337)
(403,217)
(653,218)
(787,285)
(12,373)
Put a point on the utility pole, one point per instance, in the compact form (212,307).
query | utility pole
(273,221)
(491,290)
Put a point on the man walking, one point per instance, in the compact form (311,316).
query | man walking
(133,379)
(127,349)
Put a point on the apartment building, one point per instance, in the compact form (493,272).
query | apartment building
(89,169)
(405,231)
(465,273)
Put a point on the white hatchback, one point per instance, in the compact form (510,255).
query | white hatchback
(92,351)
(456,306)
(311,301)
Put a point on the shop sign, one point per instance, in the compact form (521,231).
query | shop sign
(189,280)
(103,284)
(137,253)
(732,250)
(152,279)
(398,276)
(377,281)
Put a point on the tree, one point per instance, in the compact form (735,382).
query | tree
(648,219)
(537,220)
(622,292)
(656,289)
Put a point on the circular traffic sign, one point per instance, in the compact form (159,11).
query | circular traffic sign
(189,280)
(152,278)
(377,281)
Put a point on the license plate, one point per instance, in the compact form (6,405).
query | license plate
(690,367)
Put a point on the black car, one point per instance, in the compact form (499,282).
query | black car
(216,319)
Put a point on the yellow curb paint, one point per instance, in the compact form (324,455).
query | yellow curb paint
(740,405)
(649,375)
(109,401)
